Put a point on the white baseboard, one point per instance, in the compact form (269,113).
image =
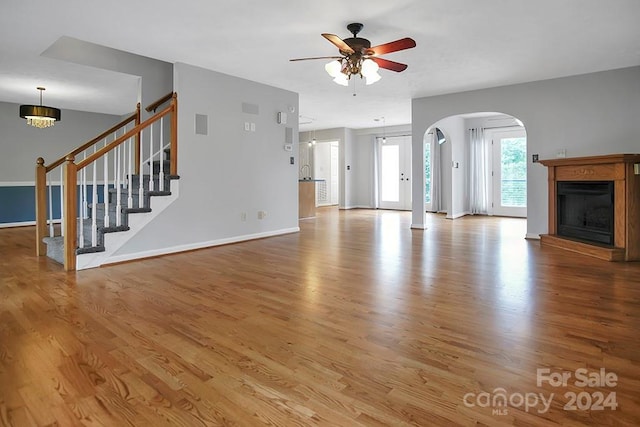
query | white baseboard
(199,245)
(361,207)
(532,236)
(17,224)
(457,215)
(23,223)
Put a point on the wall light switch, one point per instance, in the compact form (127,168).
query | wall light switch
(247,126)
(288,147)
(253,127)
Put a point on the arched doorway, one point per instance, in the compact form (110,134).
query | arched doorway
(476,163)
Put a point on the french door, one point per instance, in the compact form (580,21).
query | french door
(509,158)
(394,165)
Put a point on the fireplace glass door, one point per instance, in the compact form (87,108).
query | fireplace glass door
(585,211)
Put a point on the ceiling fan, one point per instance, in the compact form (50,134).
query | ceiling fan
(358,57)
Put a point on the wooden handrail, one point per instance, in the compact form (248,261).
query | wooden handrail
(154,105)
(113,144)
(98,138)
(71,175)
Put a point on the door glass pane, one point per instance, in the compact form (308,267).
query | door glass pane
(390,173)
(513,184)
(427,172)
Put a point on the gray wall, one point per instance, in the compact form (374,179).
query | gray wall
(356,151)
(21,145)
(590,114)
(229,171)
(156,75)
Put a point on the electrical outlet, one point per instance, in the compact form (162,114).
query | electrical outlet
(535,158)
(243,216)
(262,214)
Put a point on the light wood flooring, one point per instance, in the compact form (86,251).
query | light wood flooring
(355,321)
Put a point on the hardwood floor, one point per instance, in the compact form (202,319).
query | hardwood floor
(356,320)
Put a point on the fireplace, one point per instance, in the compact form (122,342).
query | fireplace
(586,211)
(594,206)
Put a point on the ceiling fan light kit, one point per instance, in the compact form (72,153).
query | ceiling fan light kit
(359,58)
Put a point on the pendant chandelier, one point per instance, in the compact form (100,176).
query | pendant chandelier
(40,116)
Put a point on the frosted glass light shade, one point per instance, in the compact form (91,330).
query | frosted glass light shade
(372,78)
(369,67)
(333,68)
(341,79)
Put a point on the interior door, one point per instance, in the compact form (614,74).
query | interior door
(509,164)
(395,173)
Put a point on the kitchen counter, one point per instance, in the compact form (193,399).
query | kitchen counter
(307,197)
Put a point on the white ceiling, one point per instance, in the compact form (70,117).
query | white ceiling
(461,45)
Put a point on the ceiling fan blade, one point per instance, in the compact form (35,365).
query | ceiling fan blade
(402,44)
(389,65)
(316,57)
(338,42)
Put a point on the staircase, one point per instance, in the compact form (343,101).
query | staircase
(96,222)
(55,245)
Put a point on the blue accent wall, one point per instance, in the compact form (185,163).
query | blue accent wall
(18,203)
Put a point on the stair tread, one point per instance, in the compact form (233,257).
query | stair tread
(55,244)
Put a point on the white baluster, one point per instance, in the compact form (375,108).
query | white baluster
(130,175)
(151,154)
(141,173)
(105,187)
(123,167)
(118,188)
(83,205)
(85,202)
(161,174)
(62,230)
(50,207)
(94,202)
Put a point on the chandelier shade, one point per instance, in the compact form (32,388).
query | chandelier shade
(40,116)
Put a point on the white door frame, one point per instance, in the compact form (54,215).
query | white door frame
(495,136)
(403,173)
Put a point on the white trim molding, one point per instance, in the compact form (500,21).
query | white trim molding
(200,245)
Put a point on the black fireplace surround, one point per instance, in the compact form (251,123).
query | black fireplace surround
(585,211)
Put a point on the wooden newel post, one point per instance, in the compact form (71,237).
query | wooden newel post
(70,213)
(41,206)
(173,161)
